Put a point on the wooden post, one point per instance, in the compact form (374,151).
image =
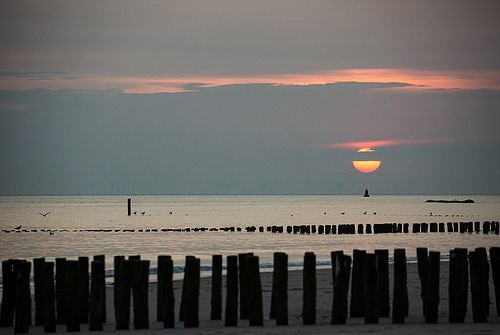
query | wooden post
(216,298)
(416,228)
(97,290)
(243,286)
(358,283)
(72,303)
(272,310)
(341,272)
(309,284)
(140,282)
(232,292)
(479,301)
(458,285)
(368,228)
(38,276)
(61,290)
(423,265)
(384,303)
(167,289)
(83,283)
(122,289)
(279,295)
(432,293)
(483,257)
(49,302)
(254,291)
(183,292)
(495,269)
(8,294)
(400,296)
(371,295)
(22,307)
(129,206)
(160,293)
(192,292)
(102,258)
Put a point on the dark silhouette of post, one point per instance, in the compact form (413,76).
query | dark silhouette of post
(97,298)
(458,285)
(479,296)
(192,292)
(384,303)
(168,298)
(432,293)
(243,286)
(160,293)
(22,307)
(183,292)
(495,270)
(341,267)
(216,297)
(83,291)
(122,290)
(358,283)
(232,292)
(309,285)
(72,271)
(400,296)
(423,265)
(371,295)
(280,283)
(140,282)
(61,290)
(38,277)
(129,206)
(254,291)
(49,301)
(102,258)
(8,294)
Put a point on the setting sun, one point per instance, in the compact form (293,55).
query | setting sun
(366,166)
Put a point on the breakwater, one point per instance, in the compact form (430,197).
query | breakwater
(71,292)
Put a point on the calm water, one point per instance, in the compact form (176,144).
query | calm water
(110,212)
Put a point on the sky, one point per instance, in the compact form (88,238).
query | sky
(249,97)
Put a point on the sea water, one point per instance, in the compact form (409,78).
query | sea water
(71,218)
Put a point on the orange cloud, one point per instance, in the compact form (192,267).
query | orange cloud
(386,143)
(416,80)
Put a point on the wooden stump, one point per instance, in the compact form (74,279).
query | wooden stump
(432,292)
(216,297)
(232,292)
(358,284)
(371,294)
(309,285)
(384,303)
(458,285)
(97,289)
(254,291)
(341,275)
(22,307)
(400,296)
(49,302)
(140,282)
(192,293)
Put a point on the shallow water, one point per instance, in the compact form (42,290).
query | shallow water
(69,215)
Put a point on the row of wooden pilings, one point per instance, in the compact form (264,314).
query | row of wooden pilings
(485,227)
(72,301)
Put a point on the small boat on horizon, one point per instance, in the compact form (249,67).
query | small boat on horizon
(366,193)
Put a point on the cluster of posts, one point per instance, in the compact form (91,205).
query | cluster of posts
(76,297)
(485,227)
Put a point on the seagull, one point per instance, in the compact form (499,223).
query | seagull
(374,213)
(44,215)
(51,233)
(364,212)
(143,213)
(18,227)
(430,213)
(170,213)
(342,213)
(324,213)
(135,212)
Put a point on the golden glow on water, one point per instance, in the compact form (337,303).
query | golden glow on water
(366,166)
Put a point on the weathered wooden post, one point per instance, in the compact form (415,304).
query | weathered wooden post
(167,291)
(129,206)
(38,276)
(449,227)
(441,227)
(479,301)
(97,289)
(61,290)
(358,283)
(232,292)
(432,293)
(309,284)
(160,292)
(368,228)
(102,258)
(122,289)
(140,282)
(49,302)
(495,270)
(423,265)
(384,303)
(216,298)
(254,287)
(341,268)
(72,270)
(334,229)
(458,285)
(22,307)
(483,257)
(416,228)
(8,294)
(192,292)
(279,295)
(243,285)
(400,296)
(83,291)
(371,295)
(183,293)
